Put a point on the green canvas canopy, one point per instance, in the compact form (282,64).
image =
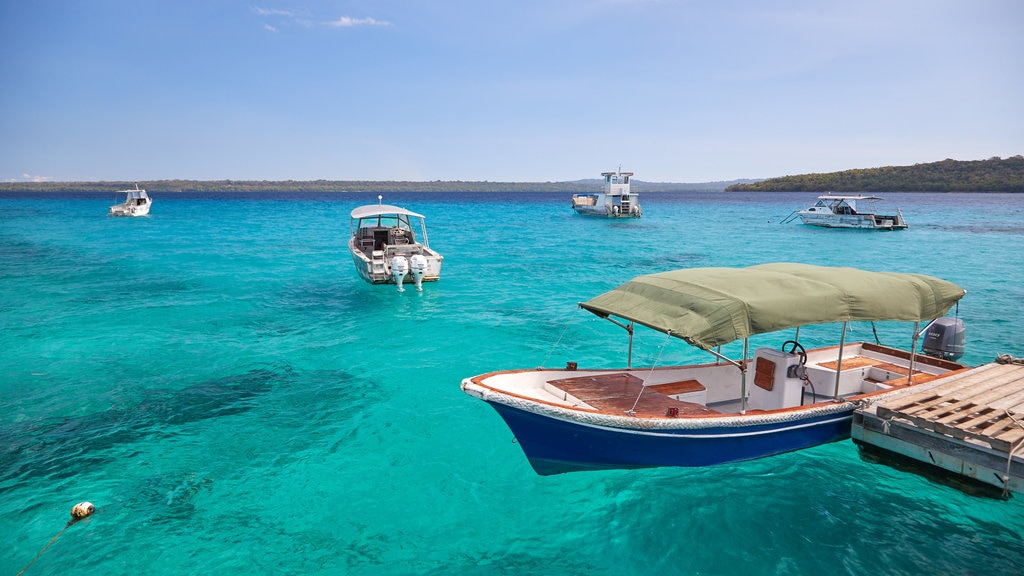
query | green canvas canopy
(708,307)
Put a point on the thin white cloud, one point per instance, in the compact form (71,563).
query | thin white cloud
(273,12)
(31,178)
(278,18)
(349,22)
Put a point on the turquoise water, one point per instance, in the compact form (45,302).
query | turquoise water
(220,383)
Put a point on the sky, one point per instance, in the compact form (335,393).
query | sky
(503,90)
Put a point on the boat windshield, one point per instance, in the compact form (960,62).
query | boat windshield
(385,221)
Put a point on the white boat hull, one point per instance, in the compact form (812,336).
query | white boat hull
(375,266)
(616,200)
(136,203)
(137,210)
(389,246)
(833,211)
(863,221)
(607,206)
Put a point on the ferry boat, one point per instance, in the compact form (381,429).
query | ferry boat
(779,399)
(389,245)
(136,203)
(831,211)
(616,200)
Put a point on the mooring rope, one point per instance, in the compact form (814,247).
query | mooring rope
(78,511)
(650,373)
(1007,359)
(1009,457)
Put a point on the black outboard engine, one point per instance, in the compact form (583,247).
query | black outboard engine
(944,339)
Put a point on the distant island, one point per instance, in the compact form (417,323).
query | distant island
(343,186)
(992,175)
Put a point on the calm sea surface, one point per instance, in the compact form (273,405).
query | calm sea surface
(220,383)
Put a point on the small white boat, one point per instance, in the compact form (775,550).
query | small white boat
(389,245)
(776,400)
(615,201)
(136,203)
(832,211)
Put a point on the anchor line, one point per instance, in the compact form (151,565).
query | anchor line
(66,526)
(1009,457)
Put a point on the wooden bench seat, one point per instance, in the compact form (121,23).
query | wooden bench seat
(619,392)
(680,387)
(851,363)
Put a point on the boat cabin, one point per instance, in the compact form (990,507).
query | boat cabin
(380,230)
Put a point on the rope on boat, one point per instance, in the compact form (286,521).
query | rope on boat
(1009,457)
(792,216)
(78,511)
(650,373)
(1007,359)
(555,345)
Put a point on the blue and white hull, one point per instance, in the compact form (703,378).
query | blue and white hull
(554,445)
(697,415)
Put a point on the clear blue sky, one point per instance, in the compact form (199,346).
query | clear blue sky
(503,90)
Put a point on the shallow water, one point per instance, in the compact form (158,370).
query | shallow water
(220,383)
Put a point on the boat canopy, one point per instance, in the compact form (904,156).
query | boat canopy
(372,210)
(708,307)
(858,197)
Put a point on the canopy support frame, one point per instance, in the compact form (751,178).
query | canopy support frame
(839,363)
(628,328)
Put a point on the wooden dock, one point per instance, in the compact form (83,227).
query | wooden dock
(970,423)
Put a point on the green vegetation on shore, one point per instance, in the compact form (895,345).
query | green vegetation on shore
(992,175)
(342,186)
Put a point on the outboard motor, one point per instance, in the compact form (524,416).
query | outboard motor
(399,268)
(944,339)
(418,264)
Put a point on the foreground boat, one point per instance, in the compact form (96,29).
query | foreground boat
(389,246)
(842,212)
(136,203)
(616,200)
(729,410)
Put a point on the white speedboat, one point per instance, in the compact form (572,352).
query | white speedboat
(616,200)
(136,203)
(832,211)
(780,398)
(389,246)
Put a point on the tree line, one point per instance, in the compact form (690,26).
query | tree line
(342,186)
(992,175)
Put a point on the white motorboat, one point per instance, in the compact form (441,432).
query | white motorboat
(389,246)
(136,203)
(616,200)
(831,211)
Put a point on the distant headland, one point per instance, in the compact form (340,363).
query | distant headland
(992,175)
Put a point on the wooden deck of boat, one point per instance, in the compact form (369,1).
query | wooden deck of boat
(985,404)
(620,393)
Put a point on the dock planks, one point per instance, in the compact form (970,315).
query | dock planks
(985,405)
